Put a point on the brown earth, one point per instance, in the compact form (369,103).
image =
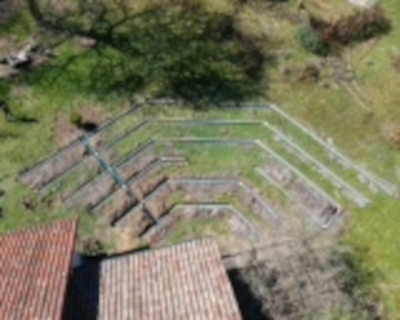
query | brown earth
(65,132)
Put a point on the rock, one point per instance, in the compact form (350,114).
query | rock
(87,42)
(31,55)
(364,3)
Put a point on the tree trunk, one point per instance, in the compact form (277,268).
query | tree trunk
(35,10)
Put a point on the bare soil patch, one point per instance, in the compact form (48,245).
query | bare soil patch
(301,191)
(69,155)
(135,221)
(117,207)
(104,185)
(160,201)
(65,132)
(144,187)
(121,201)
(39,176)
(135,165)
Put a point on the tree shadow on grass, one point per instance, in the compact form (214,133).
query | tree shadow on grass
(177,50)
(250,305)
(25,119)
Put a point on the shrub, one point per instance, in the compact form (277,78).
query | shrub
(310,73)
(76,119)
(92,247)
(362,25)
(311,41)
(5,88)
(221,27)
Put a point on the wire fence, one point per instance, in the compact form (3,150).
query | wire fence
(385,186)
(300,152)
(76,143)
(111,168)
(115,175)
(382,185)
(115,166)
(306,211)
(323,170)
(157,163)
(252,230)
(265,206)
(353,195)
(270,212)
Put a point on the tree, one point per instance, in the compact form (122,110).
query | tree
(179,50)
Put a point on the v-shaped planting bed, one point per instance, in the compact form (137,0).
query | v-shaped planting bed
(148,174)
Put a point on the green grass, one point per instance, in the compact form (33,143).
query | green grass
(197,228)
(19,27)
(23,144)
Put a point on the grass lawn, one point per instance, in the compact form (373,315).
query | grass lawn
(188,230)
(334,113)
(354,127)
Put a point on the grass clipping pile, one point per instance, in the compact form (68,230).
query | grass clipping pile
(294,281)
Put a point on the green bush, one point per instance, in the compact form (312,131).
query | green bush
(76,119)
(92,248)
(5,88)
(311,41)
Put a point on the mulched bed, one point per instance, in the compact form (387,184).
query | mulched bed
(102,186)
(301,191)
(38,177)
(160,201)
(121,202)
(135,221)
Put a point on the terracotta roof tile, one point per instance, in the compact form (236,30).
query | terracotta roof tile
(186,281)
(34,270)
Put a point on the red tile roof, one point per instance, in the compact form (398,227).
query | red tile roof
(34,270)
(186,281)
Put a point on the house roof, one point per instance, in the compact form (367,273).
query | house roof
(34,270)
(186,281)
